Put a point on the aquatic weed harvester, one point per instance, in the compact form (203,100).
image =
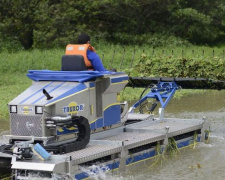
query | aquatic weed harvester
(67,120)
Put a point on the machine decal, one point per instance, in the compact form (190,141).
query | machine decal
(73,108)
(26,110)
(77,89)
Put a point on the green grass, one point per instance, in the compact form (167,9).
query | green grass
(12,85)
(14,66)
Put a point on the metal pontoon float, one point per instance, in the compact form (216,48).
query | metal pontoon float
(69,120)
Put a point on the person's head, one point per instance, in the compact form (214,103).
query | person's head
(83,39)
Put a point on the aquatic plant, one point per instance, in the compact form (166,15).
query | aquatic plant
(207,135)
(172,148)
(195,139)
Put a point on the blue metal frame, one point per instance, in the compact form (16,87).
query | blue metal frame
(163,90)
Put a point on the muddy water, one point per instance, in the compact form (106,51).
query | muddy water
(4,127)
(206,161)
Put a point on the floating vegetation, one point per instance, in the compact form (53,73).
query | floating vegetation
(6,177)
(195,139)
(207,135)
(197,166)
(172,148)
(159,154)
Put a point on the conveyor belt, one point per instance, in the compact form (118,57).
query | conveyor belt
(185,83)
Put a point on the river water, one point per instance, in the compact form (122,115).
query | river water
(205,161)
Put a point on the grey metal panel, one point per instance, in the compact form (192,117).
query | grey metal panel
(173,124)
(98,105)
(92,104)
(133,116)
(185,130)
(25,125)
(36,86)
(33,166)
(34,95)
(5,155)
(130,140)
(109,99)
(93,152)
(107,133)
(135,139)
(37,97)
(80,98)
(61,89)
(115,87)
(3,139)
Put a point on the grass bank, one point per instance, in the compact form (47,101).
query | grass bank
(14,66)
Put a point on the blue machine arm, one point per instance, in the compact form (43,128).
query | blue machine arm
(162,92)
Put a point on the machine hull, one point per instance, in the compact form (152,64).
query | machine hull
(118,149)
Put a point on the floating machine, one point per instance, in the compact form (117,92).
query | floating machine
(66,121)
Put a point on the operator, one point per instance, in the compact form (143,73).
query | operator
(92,56)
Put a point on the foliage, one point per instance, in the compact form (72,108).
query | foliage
(55,23)
(171,147)
(17,20)
(204,67)
(9,44)
(11,85)
(154,39)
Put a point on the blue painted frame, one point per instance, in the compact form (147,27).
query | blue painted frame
(163,90)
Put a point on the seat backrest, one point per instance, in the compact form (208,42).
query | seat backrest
(73,63)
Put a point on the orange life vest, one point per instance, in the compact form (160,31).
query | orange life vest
(80,49)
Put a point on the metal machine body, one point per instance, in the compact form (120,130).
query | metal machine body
(62,125)
(95,100)
(116,149)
